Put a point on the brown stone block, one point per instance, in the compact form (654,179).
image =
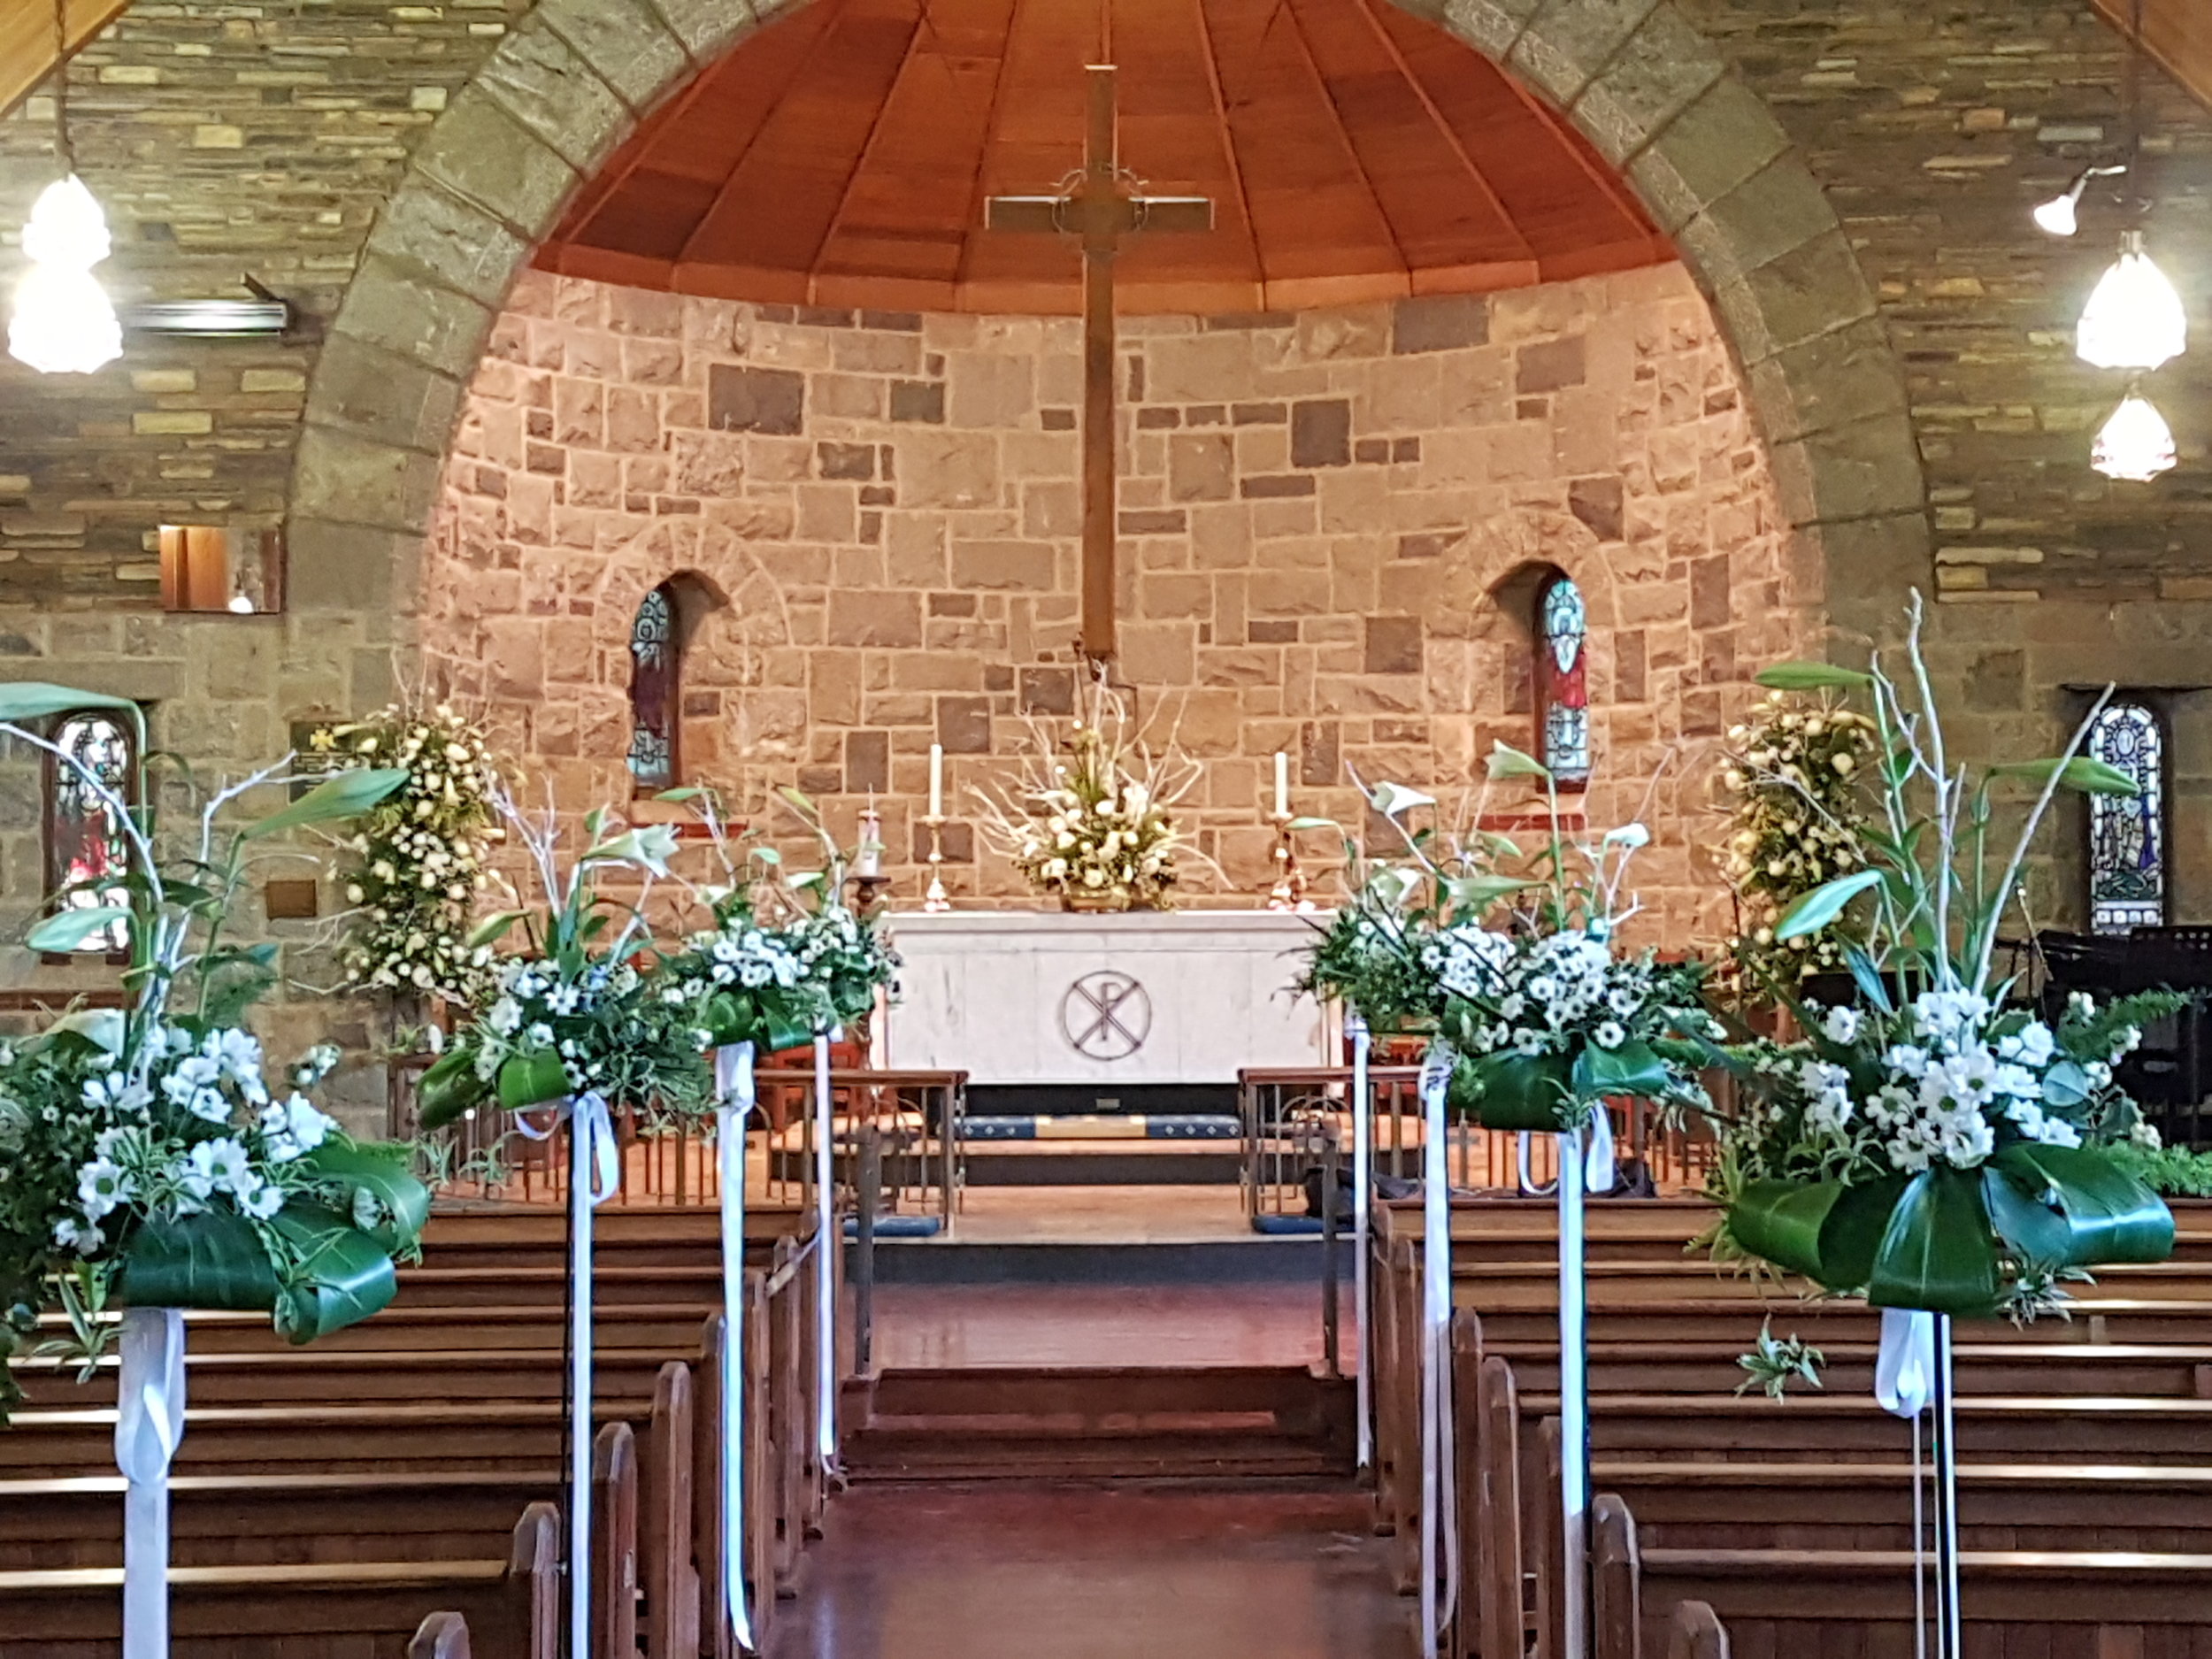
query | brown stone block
(1051,509)
(1658,71)
(1277,485)
(963,724)
(1831,379)
(1596,501)
(875,618)
(1438,323)
(1321,432)
(741,399)
(1393,645)
(1157,523)
(958,843)
(1548,366)
(382,398)
(1004,565)
(1048,691)
(856,461)
(343,479)
(949,469)
(537,83)
(625,42)
(426,228)
(922,401)
(867,763)
(1202,466)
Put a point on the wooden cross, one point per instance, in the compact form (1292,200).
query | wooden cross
(1097,206)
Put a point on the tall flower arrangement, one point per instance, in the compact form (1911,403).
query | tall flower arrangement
(1795,774)
(1510,955)
(1936,1142)
(575,1010)
(1095,825)
(153,1157)
(420,855)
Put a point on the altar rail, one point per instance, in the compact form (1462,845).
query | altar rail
(1287,1112)
(914,1116)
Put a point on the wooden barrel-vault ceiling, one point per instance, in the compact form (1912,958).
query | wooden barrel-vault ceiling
(842,155)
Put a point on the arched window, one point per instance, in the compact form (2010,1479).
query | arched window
(655,690)
(1561,682)
(84,837)
(2127,834)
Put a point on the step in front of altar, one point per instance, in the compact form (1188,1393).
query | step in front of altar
(1104,1126)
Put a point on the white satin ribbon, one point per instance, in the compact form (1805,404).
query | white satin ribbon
(1436,1329)
(734,1100)
(829,1239)
(1363,1184)
(148,1425)
(1904,1369)
(594,1175)
(1597,1159)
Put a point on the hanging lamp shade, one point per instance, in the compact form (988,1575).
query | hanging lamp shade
(2136,445)
(2134,320)
(64,322)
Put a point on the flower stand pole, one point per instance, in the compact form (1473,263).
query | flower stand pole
(1574,1394)
(734,1105)
(1950,1637)
(1436,1338)
(828,1239)
(594,1175)
(149,1423)
(1363,1185)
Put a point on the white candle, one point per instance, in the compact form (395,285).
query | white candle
(868,862)
(937,780)
(1282,784)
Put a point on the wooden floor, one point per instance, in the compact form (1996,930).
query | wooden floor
(1101,1215)
(1075,1573)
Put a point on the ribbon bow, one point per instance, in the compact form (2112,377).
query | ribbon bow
(586,1114)
(149,1420)
(1904,1369)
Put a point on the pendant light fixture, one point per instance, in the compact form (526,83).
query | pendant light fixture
(2134,320)
(64,322)
(2136,445)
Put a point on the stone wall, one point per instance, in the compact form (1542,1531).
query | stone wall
(876,516)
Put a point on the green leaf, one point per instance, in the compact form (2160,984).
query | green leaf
(1521,1091)
(343,795)
(1297,823)
(2075,1207)
(68,930)
(212,1259)
(1815,909)
(2066,1084)
(1867,977)
(798,798)
(494,927)
(1825,1230)
(1939,1253)
(1476,893)
(2090,777)
(343,1274)
(1390,798)
(769,1023)
(532,1079)
(1632,1069)
(34,700)
(379,1169)
(678,796)
(447,1087)
(102,1027)
(1811,677)
(1508,762)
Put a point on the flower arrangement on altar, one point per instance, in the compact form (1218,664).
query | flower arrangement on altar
(151,1157)
(421,854)
(1544,1014)
(1096,827)
(1932,1141)
(576,1012)
(786,956)
(1796,772)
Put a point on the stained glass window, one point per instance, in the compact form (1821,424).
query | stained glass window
(653,692)
(1562,693)
(84,837)
(2127,834)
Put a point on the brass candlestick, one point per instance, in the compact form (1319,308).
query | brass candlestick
(935,899)
(1289,892)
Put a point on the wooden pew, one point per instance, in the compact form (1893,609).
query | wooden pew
(440,1636)
(512,1604)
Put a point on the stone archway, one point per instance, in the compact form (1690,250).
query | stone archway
(1705,155)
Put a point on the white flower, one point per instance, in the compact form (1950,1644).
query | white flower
(100,1186)
(210,1105)
(262,1201)
(72,1234)
(1842,1025)
(1610,1034)
(223,1161)
(505,1018)
(294,1127)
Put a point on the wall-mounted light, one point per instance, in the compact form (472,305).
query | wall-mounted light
(2060,215)
(263,317)
(2136,445)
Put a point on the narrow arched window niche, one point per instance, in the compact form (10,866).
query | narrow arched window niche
(1559,634)
(656,691)
(2130,883)
(84,833)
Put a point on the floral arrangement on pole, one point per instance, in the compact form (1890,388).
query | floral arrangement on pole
(576,1010)
(1796,772)
(786,957)
(1935,1143)
(151,1157)
(421,854)
(1096,827)
(1546,1016)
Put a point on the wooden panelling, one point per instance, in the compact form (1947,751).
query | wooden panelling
(2177,32)
(842,155)
(27,41)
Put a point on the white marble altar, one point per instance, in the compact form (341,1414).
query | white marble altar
(1030,997)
